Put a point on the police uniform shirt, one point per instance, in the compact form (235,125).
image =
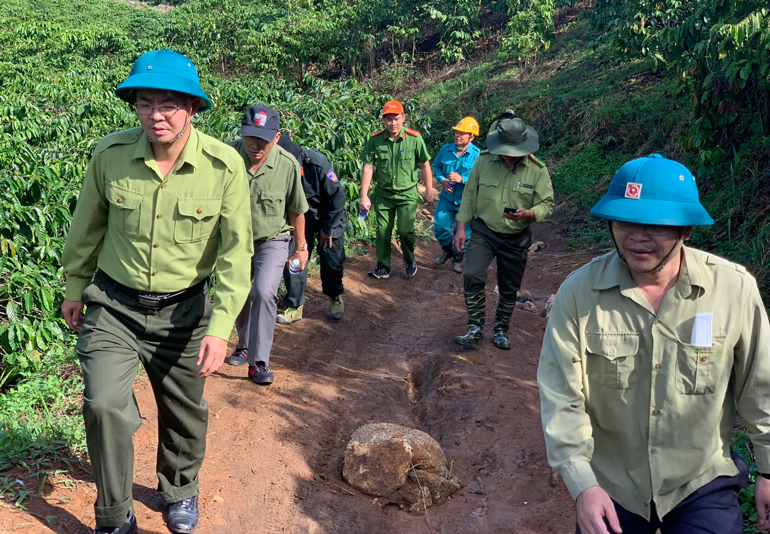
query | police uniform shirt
(395,162)
(324,193)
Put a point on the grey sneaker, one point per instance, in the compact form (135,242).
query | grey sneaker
(260,374)
(410,268)
(379,272)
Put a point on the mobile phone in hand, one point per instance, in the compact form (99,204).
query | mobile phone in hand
(508,209)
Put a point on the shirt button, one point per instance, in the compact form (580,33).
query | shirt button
(158,216)
(657,366)
(653,451)
(655,412)
(154,273)
(645,505)
(119,201)
(163,186)
(703,359)
(199,211)
(156,245)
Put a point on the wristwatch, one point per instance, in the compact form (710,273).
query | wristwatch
(303,248)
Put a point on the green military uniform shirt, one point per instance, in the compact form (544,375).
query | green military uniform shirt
(492,187)
(629,402)
(276,190)
(396,163)
(160,234)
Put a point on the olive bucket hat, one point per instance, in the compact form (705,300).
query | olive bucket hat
(653,190)
(512,137)
(165,70)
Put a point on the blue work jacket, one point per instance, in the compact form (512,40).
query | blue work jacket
(446,161)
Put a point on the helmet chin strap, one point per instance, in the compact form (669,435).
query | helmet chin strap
(187,123)
(665,260)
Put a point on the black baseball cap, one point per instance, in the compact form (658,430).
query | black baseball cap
(260,121)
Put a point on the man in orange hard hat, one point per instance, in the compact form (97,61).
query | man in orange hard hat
(393,157)
(451,168)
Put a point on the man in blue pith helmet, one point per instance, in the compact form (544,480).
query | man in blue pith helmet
(649,352)
(161,205)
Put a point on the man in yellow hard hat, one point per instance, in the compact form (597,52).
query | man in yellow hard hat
(451,168)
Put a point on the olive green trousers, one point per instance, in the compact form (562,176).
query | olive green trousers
(116,335)
(399,210)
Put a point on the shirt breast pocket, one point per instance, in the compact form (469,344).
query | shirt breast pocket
(611,359)
(489,189)
(196,219)
(125,212)
(271,203)
(526,195)
(407,163)
(695,368)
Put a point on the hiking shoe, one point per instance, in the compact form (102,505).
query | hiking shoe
(410,268)
(238,357)
(129,527)
(380,272)
(260,374)
(473,339)
(337,307)
(446,254)
(182,517)
(501,340)
(290,315)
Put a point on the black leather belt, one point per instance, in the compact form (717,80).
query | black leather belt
(501,235)
(152,301)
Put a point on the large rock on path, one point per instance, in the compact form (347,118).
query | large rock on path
(401,465)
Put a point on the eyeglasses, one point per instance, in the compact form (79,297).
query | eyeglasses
(167,110)
(655,230)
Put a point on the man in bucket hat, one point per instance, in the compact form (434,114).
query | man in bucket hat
(508,189)
(278,205)
(161,205)
(451,168)
(393,157)
(648,353)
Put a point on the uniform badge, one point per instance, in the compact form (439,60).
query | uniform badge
(633,190)
(260,119)
(332,176)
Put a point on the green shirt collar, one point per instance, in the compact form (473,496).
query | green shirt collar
(189,154)
(386,135)
(617,275)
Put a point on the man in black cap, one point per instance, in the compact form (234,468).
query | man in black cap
(325,219)
(277,211)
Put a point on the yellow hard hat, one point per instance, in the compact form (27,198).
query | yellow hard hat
(467,125)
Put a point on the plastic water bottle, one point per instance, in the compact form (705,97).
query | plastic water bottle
(363,213)
(295,266)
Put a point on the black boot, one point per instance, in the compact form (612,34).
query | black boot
(182,517)
(457,262)
(446,253)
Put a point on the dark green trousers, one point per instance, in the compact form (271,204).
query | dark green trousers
(399,210)
(118,334)
(511,252)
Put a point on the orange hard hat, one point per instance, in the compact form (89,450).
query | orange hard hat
(392,106)
(467,125)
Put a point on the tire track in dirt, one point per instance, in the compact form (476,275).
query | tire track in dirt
(274,457)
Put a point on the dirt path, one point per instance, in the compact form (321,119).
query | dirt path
(274,458)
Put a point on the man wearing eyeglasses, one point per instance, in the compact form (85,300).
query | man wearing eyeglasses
(161,205)
(278,205)
(649,352)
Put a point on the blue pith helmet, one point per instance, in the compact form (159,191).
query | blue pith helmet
(653,190)
(165,70)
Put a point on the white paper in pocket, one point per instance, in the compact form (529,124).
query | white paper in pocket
(701,330)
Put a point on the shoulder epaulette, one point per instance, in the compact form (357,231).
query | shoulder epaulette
(412,132)
(125,137)
(377,133)
(220,151)
(484,153)
(537,161)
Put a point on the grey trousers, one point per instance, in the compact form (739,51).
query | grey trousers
(256,322)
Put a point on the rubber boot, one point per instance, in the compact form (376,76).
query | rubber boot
(475,303)
(457,262)
(502,322)
(446,253)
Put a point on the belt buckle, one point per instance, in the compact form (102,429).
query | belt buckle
(148,301)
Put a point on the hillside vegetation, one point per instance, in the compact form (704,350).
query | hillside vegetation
(602,81)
